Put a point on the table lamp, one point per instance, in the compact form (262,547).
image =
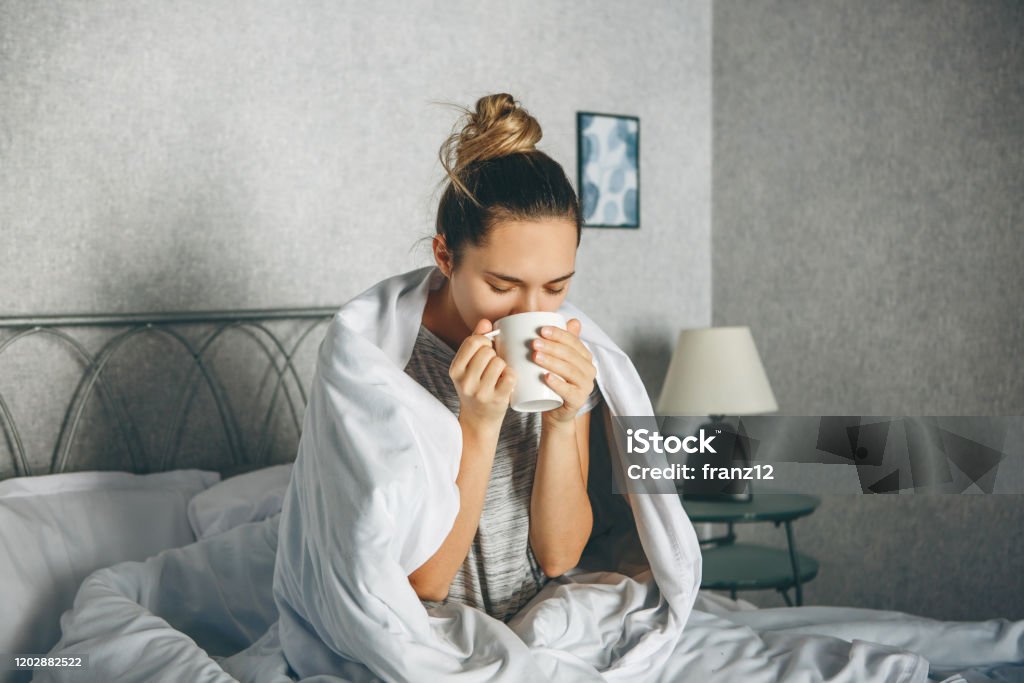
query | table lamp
(716,371)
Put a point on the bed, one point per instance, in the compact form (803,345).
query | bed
(138,519)
(110,425)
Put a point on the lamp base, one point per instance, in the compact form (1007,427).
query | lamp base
(730,452)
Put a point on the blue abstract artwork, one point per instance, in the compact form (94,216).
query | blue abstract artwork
(609,169)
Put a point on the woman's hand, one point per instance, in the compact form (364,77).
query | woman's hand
(563,354)
(483,381)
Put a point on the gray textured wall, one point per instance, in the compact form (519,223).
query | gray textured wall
(194,155)
(868,189)
(234,155)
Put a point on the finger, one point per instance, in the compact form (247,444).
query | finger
(506,382)
(489,377)
(480,359)
(574,326)
(470,345)
(483,326)
(565,337)
(572,396)
(556,350)
(561,350)
(570,372)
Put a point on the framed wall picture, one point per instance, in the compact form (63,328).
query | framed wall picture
(608,150)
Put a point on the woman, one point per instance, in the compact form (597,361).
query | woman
(508,225)
(422,515)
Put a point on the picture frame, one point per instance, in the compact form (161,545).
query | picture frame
(608,169)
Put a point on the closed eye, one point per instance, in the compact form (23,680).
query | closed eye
(498,290)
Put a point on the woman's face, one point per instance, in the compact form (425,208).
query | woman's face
(524,266)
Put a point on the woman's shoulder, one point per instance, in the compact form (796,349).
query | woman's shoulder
(389,312)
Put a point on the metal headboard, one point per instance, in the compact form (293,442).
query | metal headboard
(255,324)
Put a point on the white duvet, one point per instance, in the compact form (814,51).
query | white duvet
(322,589)
(205,612)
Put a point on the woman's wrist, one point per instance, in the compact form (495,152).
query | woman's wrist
(480,430)
(554,425)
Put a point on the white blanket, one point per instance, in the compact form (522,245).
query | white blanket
(205,612)
(323,587)
(373,495)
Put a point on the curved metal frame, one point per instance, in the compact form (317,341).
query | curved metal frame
(249,322)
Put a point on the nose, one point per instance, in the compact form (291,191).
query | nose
(527,302)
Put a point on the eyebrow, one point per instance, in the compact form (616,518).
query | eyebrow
(515,280)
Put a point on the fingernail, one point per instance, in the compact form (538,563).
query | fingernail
(546,331)
(539,356)
(538,344)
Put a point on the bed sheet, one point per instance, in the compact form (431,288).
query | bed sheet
(206,612)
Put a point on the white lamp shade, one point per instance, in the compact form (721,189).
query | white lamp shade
(716,371)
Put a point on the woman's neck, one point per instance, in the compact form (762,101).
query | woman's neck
(441,317)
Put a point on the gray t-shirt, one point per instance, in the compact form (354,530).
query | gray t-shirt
(500,574)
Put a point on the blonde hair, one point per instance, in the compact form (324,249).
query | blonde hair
(499,126)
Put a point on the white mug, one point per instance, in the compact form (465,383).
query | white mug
(514,335)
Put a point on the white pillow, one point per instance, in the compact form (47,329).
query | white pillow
(249,497)
(56,529)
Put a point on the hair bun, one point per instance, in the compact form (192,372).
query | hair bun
(499,126)
(492,110)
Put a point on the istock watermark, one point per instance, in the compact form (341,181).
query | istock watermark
(643,440)
(819,454)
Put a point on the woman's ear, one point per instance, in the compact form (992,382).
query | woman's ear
(442,256)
